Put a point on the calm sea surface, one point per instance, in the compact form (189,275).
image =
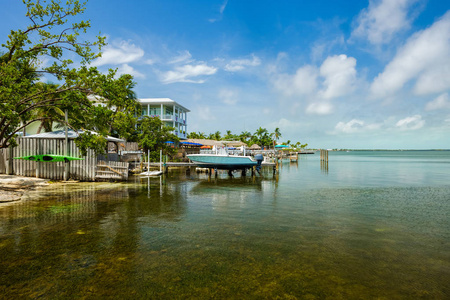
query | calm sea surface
(369,225)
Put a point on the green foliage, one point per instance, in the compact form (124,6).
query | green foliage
(95,142)
(215,136)
(260,137)
(196,135)
(245,137)
(52,35)
(153,136)
(229,136)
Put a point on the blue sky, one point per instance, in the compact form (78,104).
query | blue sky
(333,74)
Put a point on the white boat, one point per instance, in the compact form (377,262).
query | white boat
(151,173)
(224,161)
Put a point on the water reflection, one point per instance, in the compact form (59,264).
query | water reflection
(298,235)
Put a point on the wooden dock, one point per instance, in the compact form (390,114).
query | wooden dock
(189,164)
(167,165)
(111,170)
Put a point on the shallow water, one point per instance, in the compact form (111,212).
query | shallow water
(367,225)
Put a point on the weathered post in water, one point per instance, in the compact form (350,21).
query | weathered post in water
(66,144)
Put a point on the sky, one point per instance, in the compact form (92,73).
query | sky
(334,74)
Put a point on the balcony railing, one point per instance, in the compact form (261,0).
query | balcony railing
(168,118)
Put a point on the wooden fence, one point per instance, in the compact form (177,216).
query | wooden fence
(84,170)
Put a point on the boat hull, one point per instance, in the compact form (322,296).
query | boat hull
(224,162)
(151,173)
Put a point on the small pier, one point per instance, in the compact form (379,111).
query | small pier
(189,165)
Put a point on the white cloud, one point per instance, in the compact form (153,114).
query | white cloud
(354,126)
(382,20)
(411,123)
(228,97)
(221,10)
(441,102)
(320,108)
(186,72)
(126,69)
(349,127)
(204,113)
(184,56)
(223,6)
(303,82)
(337,75)
(425,57)
(340,75)
(118,53)
(240,64)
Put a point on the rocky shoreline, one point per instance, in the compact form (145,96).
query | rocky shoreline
(13,187)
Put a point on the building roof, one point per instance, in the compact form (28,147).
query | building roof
(255,147)
(71,134)
(234,143)
(166,101)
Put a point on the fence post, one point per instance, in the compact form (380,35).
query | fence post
(10,165)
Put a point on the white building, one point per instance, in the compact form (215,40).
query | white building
(169,111)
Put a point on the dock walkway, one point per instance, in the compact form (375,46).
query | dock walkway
(189,164)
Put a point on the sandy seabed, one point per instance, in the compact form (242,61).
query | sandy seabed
(13,187)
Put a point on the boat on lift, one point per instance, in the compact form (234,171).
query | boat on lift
(224,161)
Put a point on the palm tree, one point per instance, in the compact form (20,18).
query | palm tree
(229,136)
(245,136)
(276,136)
(262,134)
(217,136)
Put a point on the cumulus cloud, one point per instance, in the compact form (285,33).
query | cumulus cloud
(228,97)
(117,53)
(319,108)
(240,64)
(349,127)
(355,125)
(382,20)
(187,72)
(424,58)
(126,69)
(441,102)
(411,123)
(303,82)
(339,75)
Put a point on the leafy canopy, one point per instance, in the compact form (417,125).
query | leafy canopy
(153,136)
(44,51)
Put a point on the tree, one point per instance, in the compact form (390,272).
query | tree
(262,137)
(192,135)
(229,136)
(196,135)
(276,135)
(153,136)
(24,100)
(115,111)
(215,136)
(245,137)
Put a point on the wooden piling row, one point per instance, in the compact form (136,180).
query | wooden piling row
(324,155)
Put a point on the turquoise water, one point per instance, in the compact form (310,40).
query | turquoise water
(368,225)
